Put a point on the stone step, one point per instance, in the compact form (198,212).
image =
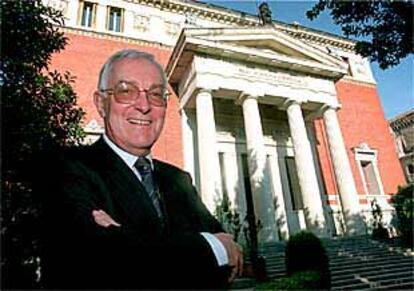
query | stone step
(399,286)
(364,258)
(373,251)
(365,266)
(384,284)
(355,264)
(352,285)
(276,275)
(243,283)
(366,272)
(352,265)
(374,280)
(391,276)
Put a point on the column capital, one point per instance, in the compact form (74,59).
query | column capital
(204,90)
(319,112)
(326,106)
(289,102)
(244,96)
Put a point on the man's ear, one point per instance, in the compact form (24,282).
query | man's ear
(99,101)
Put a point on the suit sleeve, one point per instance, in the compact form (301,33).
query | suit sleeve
(81,253)
(208,222)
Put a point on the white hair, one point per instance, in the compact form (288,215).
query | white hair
(123,54)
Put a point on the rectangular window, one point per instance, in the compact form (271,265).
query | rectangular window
(294,187)
(87,13)
(371,181)
(115,19)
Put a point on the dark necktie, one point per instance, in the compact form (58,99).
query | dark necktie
(143,166)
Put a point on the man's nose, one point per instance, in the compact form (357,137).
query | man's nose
(141,102)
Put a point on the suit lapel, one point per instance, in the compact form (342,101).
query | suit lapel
(174,198)
(125,187)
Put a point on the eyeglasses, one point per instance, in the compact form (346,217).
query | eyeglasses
(127,93)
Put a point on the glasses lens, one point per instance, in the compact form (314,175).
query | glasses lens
(127,93)
(156,97)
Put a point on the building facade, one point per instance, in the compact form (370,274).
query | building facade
(402,127)
(283,120)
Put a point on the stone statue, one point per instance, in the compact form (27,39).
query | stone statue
(265,13)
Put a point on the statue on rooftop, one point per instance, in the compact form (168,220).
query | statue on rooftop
(265,14)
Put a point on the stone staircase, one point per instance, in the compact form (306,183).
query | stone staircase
(356,263)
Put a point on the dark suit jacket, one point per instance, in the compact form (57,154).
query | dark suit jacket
(78,253)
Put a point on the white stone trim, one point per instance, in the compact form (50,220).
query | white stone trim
(364,153)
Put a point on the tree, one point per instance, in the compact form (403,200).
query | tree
(403,203)
(386,27)
(39,112)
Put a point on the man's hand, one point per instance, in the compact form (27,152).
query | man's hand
(103,219)
(234,252)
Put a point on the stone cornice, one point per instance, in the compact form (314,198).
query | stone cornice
(315,36)
(112,36)
(203,10)
(229,16)
(402,121)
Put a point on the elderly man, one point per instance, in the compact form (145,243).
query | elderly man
(117,217)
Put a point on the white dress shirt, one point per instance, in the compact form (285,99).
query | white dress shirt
(218,248)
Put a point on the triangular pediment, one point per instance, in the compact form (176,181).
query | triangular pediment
(268,41)
(254,46)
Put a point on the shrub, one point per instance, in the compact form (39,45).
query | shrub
(305,252)
(308,280)
(403,203)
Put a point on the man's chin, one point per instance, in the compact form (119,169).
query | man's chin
(142,148)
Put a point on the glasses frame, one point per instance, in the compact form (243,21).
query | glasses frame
(112,91)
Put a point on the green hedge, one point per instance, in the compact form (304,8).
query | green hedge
(403,203)
(308,280)
(305,252)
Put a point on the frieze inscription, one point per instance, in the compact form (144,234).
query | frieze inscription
(272,77)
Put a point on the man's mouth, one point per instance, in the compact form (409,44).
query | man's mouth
(139,121)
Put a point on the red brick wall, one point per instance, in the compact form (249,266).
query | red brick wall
(325,158)
(362,119)
(84,56)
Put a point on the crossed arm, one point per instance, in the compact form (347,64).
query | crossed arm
(233,250)
(84,234)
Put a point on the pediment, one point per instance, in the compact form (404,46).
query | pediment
(253,46)
(267,41)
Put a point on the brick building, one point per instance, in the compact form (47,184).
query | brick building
(284,120)
(402,127)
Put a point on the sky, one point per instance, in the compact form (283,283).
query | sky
(395,85)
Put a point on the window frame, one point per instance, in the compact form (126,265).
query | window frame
(365,154)
(81,14)
(121,19)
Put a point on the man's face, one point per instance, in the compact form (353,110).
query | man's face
(133,127)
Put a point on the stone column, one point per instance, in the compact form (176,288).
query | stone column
(343,174)
(280,210)
(308,182)
(207,150)
(259,176)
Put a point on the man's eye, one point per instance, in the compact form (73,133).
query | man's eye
(124,91)
(156,95)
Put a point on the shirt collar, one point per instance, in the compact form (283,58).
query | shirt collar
(128,158)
